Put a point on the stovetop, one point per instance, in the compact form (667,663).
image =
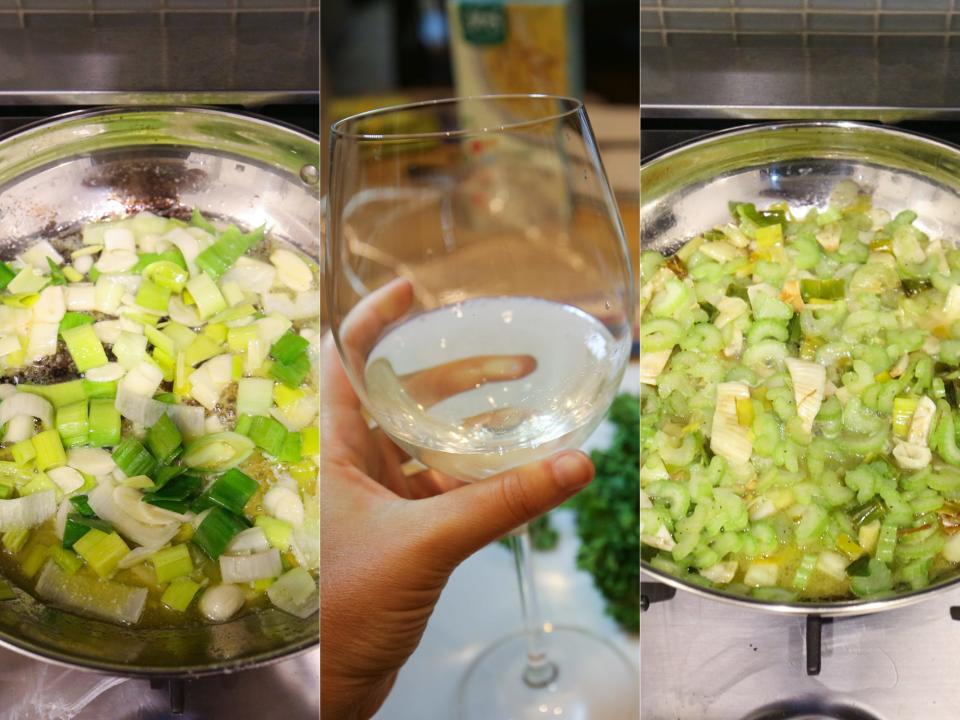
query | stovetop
(705,659)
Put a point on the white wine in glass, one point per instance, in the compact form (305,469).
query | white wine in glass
(479,288)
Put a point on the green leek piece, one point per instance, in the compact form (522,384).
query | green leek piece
(74,319)
(293,374)
(56,273)
(206,295)
(231,491)
(6,275)
(105,423)
(133,458)
(6,591)
(202,348)
(172,562)
(152,296)
(164,440)
(82,506)
(84,347)
(168,275)
(36,556)
(78,525)
(104,389)
(217,452)
(23,452)
(101,551)
(58,394)
(49,450)
(289,347)
(14,540)
(278,532)
(291,450)
(216,531)
(198,220)
(68,560)
(180,593)
(147,259)
(268,434)
(73,424)
(224,252)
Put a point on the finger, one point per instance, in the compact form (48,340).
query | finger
(365,323)
(430,386)
(468,518)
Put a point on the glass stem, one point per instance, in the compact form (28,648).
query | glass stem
(539,671)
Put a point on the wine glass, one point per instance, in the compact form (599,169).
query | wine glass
(479,289)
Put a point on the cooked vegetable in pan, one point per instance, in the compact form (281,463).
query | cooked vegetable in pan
(159,422)
(801,403)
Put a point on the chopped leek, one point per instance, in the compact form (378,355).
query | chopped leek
(101,551)
(180,593)
(133,458)
(84,347)
(171,563)
(164,440)
(104,421)
(49,450)
(216,531)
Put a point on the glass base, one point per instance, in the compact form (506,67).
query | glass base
(594,681)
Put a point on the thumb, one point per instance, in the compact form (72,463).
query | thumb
(470,517)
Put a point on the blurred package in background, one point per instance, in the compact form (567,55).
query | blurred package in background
(516,46)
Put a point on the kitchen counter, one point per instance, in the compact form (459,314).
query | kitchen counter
(110,66)
(774,83)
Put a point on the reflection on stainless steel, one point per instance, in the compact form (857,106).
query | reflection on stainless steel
(704,659)
(687,190)
(89,165)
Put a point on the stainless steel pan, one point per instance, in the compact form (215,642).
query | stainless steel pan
(89,165)
(685,190)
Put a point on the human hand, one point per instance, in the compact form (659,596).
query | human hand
(389,542)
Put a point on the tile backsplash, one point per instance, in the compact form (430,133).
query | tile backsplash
(805,22)
(157,13)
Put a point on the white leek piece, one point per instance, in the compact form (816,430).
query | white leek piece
(27,511)
(292,271)
(295,592)
(37,256)
(66,478)
(251,275)
(102,503)
(28,404)
(729,438)
(50,306)
(250,540)
(809,383)
(248,568)
(90,595)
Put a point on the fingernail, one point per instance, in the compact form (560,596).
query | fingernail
(505,367)
(572,470)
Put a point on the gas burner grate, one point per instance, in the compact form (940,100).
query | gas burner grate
(177,692)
